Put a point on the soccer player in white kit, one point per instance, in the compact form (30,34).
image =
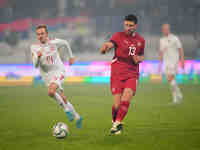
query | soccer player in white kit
(171,51)
(45,55)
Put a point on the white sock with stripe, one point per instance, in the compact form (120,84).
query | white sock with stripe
(60,101)
(71,107)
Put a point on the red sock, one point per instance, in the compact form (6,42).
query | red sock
(123,109)
(114,113)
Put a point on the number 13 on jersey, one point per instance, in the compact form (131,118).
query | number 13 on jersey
(132,50)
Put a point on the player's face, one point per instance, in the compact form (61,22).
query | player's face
(42,35)
(165,29)
(129,27)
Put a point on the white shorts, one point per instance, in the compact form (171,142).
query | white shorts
(56,77)
(171,68)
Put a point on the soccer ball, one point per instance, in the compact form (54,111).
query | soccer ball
(60,130)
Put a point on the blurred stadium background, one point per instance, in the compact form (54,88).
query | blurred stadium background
(27,114)
(86,24)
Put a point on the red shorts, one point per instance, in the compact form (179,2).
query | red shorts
(117,86)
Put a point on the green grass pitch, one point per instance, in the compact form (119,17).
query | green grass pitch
(27,115)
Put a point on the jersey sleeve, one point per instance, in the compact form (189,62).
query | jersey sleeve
(178,43)
(141,52)
(61,42)
(35,59)
(115,39)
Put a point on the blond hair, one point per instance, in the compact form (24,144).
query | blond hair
(42,26)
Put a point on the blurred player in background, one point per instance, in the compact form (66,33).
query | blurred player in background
(129,52)
(45,56)
(170,51)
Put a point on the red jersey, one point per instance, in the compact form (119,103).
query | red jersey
(123,66)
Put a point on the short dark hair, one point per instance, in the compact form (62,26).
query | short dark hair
(132,18)
(42,26)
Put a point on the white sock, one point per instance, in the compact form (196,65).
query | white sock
(67,107)
(70,106)
(173,88)
(176,88)
(60,101)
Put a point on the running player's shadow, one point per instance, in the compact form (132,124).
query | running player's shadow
(113,140)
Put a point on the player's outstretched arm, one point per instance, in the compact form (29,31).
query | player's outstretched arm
(71,57)
(106,47)
(69,49)
(61,42)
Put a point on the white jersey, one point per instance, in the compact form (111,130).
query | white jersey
(170,46)
(50,63)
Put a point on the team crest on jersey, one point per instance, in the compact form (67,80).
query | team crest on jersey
(52,48)
(139,43)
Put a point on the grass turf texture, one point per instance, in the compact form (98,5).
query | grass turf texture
(27,116)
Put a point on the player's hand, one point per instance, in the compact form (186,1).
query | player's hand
(135,59)
(71,61)
(106,47)
(103,49)
(103,52)
(39,53)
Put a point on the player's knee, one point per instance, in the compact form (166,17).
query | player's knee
(127,95)
(53,86)
(52,89)
(116,105)
(51,92)
(117,100)
(170,78)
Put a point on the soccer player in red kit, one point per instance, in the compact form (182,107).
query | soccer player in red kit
(129,52)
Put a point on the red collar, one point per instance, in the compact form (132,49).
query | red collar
(134,34)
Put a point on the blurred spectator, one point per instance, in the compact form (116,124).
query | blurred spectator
(11,38)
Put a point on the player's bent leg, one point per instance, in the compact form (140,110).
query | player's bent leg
(124,104)
(117,100)
(170,77)
(52,89)
(115,107)
(127,94)
(116,126)
(74,114)
(52,92)
(55,90)
(176,93)
(117,90)
(123,109)
(63,96)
